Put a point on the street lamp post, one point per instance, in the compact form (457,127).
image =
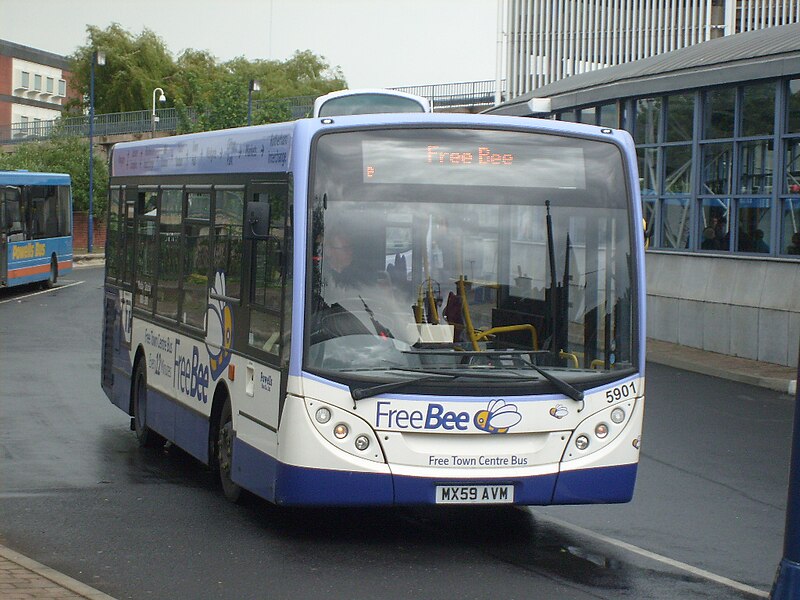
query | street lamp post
(161,98)
(255,86)
(98,59)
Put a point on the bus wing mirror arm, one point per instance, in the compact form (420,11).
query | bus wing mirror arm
(257,221)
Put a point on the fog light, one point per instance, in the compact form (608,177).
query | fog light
(362,442)
(340,431)
(323,415)
(618,415)
(601,430)
(582,442)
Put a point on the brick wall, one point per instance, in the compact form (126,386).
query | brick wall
(79,231)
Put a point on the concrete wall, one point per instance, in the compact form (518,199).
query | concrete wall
(732,305)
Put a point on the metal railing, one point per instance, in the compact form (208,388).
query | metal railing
(444,96)
(466,94)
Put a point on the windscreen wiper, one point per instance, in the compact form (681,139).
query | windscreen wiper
(562,386)
(358,393)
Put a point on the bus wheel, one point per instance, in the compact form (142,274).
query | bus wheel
(224,453)
(146,436)
(53,277)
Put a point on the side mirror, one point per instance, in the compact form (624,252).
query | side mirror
(256,225)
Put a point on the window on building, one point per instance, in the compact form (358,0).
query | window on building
(37,83)
(588,115)
(25,80)
(50,85)
(680,117)
(758,109)
(719,113)
(754,233)
(715,233)
(755,167)
(649,180)
(716,168)
(62,87)
(675,222)
(790,218)
(648,120)
(609,115)
(678,169)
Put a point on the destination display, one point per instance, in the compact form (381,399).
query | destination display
(468,163)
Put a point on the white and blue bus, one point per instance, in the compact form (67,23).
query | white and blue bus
(369,101)
(386,309)
(35,227)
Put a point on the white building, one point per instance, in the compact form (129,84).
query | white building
(547,40)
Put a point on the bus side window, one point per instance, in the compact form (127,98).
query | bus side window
(268,280)
(14,217)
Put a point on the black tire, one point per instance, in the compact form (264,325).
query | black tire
(53,277)
(147,437)
(223,453)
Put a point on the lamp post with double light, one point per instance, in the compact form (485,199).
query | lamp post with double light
(98,59)
(162,98)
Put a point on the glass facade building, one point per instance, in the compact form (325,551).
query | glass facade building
(717,132)
(719,161)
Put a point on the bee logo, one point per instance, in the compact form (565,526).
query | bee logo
(559,411)
(498,417)
(220,328)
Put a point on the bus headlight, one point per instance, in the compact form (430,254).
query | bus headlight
(344,430)
(323,415)
(599,430)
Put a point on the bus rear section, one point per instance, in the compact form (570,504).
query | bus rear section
(35,227)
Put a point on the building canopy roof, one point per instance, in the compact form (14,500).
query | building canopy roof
(761,54)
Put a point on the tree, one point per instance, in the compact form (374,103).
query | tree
(135,66)
(218,92)
(70,155)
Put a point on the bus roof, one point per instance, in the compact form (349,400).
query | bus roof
(22,177)
(268,148)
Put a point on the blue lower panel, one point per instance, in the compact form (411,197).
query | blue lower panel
(286,484)
(254,470)
(606,485)
(174,421)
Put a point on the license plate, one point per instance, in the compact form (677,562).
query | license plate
(474,494)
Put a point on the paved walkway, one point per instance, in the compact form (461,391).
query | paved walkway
(24,579)
(743,370)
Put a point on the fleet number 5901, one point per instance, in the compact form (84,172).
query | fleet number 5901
(626,390)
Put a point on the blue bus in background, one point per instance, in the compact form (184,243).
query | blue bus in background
(35,227)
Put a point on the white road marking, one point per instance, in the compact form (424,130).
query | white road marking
(737,585)
(55,289)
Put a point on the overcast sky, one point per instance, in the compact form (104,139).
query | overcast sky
(377,43)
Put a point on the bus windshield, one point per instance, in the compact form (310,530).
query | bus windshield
(439,253)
